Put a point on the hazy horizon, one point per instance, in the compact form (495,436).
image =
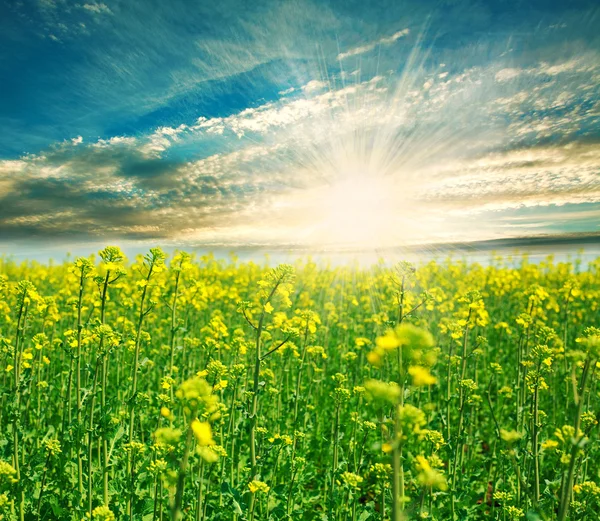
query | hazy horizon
(562,248)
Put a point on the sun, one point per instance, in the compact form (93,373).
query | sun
(358,211)
(347,213)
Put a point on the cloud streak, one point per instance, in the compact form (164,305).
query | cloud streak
(362,49)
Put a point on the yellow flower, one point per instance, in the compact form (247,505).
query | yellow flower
(510,436)
(550,445)
(352,480)
(382,391)
(429,477)
(202,433)
(208,454)
(102,513)
(222,384)
(388,341)
(8,473)
(167,436)
(421,376)
(374,358)
(258,486)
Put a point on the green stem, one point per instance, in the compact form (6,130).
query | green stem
(174,322)
(143,312)
(578,436)
(91,440)
(199,509)
(42,486)
(103,384)
(255,387)
(177,513)
(17,389)
(78,386)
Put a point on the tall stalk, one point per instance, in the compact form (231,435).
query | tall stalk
(199,509)
(535,444)
(461,414)
(279,277)
(112,257)
(83,268)
(299,377)
(25,288)
(176,512)
(103,384)
(397,450)
(568,479)
(90,446)
(152,261)
(334,464)
(179,262)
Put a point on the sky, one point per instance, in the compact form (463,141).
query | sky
(298,124)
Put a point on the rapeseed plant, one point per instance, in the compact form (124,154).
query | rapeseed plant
(202,389)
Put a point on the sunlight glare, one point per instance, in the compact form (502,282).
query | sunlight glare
(358,211)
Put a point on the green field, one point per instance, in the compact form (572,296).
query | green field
(196,389)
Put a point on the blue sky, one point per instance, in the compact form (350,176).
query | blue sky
(298,123)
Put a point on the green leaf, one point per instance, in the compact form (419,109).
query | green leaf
(226,487)
(56,509)
(280,489)
(279,512)
(364,516)
(237,508)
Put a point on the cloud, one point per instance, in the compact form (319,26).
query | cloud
(313,86)
(161,139)
(585,63)
(450,144)
(99,8)
(508,74)
(388,40)
(114,188)
(528,177)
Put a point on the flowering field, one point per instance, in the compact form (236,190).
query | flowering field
(200,389)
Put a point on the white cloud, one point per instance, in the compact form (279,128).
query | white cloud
(12,167)
(313,86)
(99,8)
(115,141)
(161,139)
(370,46)
(286,91)
(508,74)
(527,177)
(582,64)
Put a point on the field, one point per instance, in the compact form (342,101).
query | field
(196,389)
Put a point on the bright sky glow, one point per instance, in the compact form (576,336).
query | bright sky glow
(352,212)
(358,210)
